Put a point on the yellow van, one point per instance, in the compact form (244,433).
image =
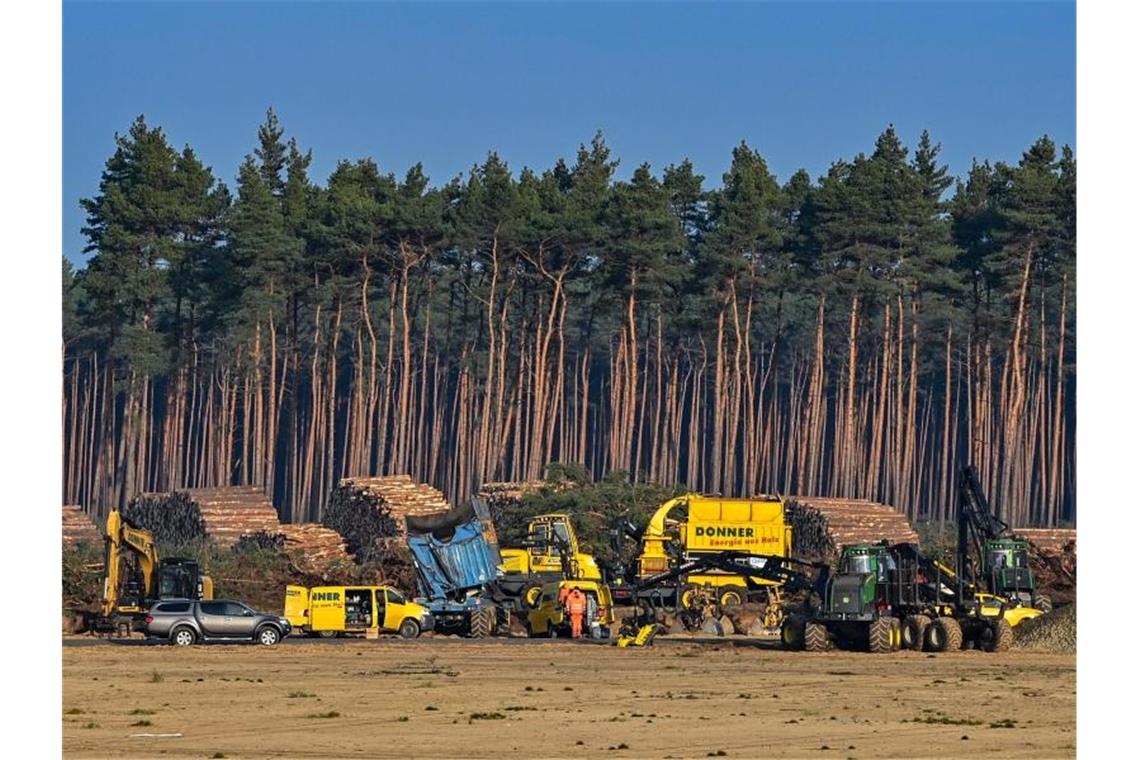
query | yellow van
(548,616)
(331,611)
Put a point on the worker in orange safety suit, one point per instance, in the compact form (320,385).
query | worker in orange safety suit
(576,607)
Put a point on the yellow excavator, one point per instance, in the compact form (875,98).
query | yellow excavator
(135,577)
(550,553)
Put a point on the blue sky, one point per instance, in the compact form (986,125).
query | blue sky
(804,83)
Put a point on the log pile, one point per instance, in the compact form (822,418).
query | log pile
(230,512)
(503,499)
(363,510)
(1053,558)
(220,515)
(174,518)
(313,547)
(78,528)
(821,525)
(1049,540)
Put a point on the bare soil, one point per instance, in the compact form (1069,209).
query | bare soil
(459,699)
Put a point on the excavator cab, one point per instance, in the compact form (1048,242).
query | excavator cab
(182,578)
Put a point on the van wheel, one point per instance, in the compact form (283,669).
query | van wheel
(183,636)
(329,634)
(268,636)
(409,629)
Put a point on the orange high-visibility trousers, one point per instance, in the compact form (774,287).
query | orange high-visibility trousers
(576,625)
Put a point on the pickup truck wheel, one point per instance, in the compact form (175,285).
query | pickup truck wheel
(409,629)
(268,636)
(183,636)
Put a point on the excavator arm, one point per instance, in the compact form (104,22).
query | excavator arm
(123,539)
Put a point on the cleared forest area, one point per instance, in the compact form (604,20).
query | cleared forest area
(857,335)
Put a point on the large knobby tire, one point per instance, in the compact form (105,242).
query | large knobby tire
(1043,603)
(183,636)
(409,629)
(880,636)
(944,635)
(482,623)
(732,596)
(815,638)
(267,636)
(1001,638)
(914,632)
(792,633)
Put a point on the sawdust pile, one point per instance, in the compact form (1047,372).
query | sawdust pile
(1054,632)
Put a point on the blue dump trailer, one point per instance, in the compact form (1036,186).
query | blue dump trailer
(458,571)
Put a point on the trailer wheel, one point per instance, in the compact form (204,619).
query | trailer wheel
(482,623)
(1001,637)
(792,633)
(1043,603)
(732,596)
(944,634)
(815,638)
(914,632)
(879,636)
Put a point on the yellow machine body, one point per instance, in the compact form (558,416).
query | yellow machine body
(642,638)
(542,557)
(123,541)
(548,614)
(711,524)
(1015,615)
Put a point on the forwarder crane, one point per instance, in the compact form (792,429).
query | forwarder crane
(135,577)
(984,540)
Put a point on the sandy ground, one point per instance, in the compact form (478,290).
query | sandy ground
(427,698)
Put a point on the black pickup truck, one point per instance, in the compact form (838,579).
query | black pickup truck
(185,621)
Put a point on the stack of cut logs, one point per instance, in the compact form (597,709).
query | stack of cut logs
(1053,558)
(230,512)
(1050,540)
(504,498)
(227,515)
(820,525)
(364,510)
(175,519)
(314,548)
(78,528)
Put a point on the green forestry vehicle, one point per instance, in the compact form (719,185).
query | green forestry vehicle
(1004,560)
(884,597)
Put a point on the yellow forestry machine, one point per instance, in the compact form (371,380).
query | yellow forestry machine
(135,577)
(549,553)
(690,529)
